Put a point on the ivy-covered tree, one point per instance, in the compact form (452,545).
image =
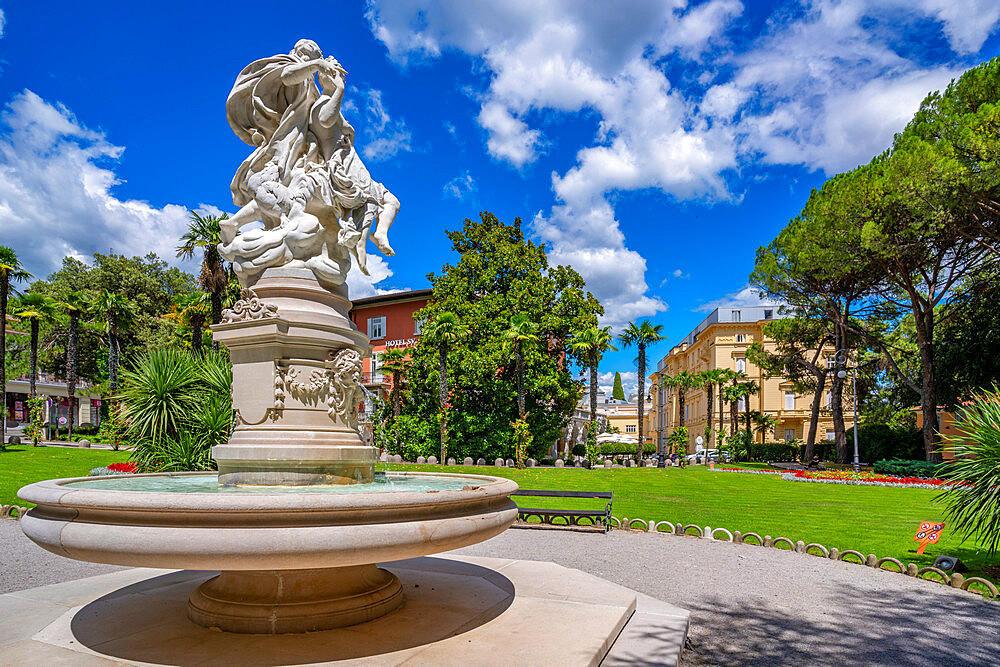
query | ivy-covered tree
(498,273)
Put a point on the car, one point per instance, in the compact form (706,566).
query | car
(713,455)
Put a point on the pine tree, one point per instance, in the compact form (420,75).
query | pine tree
(618,392)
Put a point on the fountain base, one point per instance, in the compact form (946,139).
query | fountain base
(288,601)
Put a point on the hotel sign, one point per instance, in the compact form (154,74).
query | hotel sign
(401,342)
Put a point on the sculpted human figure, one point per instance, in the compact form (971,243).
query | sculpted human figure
(304,181)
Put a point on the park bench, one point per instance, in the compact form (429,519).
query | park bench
(596,518)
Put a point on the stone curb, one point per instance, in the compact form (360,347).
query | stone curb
(955,579)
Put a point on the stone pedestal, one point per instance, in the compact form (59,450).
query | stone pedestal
(287,601)
(296,360)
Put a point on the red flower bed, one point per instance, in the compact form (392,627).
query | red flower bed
(866,477)
(127,466)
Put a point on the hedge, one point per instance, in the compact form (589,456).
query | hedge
(904,468)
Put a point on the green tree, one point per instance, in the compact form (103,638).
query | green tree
(190,311)
(75,305)
(591,343)
(11,272)
(617,391)
(116,311)
(34,309)
(797,356)
(205,232)
(522,333)
(763,423)
(724,376)
(499,272)
(444,332)
(641,336)
(710,379)
(393,362)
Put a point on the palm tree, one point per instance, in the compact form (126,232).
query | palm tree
(75,305)
(35,308)
(724,376)
(593,342)
(522,332)
(681,382)
(444,331)
(191,310)
(205,232)
(394,362)
(641,335)
(11,272)
(764,423)
(710,379)
(117,313)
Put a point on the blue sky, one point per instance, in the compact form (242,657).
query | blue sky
(651,145)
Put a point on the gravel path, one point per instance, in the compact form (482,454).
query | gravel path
(749,605)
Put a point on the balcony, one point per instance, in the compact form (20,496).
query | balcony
(374,379)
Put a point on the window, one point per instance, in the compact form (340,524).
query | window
(376,327)
(740,338)
(741,404)
(789,400)
(829,400)
(741,365)
(830,363)
(830,434)
(789,434)
(376,363)
(736,315)
(768,314)
(630,428)
(687,412)
(416,327)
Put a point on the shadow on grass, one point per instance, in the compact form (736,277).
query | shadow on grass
(896,629)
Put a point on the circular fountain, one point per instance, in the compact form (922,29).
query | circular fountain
(297,516)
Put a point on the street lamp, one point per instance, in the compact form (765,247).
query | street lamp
(841,359)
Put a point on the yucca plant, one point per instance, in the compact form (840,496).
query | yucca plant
(177,407)
(973,500)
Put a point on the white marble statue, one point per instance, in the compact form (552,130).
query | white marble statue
(304,181)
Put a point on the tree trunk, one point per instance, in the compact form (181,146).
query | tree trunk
(197,326)
(443,400)
(4,286)
(746,412)
(928,395)
(711,404)
(642,396)
(217,291)
(722,412)
(74,332)
(593,388)
(814,418)
(734,417)
(519,358)
(112,353)
(34,354)
(837,400)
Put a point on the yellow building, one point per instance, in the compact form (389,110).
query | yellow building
(721,341)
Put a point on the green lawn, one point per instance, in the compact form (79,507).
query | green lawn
(868,519)
(24,464)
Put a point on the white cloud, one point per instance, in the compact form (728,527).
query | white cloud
(385,136)
(3,23)
(460,187)
(746,296)
(679,273)
(56,199)
(606,382)
(359,285)
(823,84)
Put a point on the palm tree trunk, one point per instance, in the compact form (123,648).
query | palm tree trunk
(711,404)
(197,324)
(519,356)
(112,353)
(746,411)
(734,417)
(74,332)
(396,407)
(593,388)
(34,355)
(642,397)
(722,410)
(4,286)
(443,400)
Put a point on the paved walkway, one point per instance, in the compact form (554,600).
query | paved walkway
(748,605)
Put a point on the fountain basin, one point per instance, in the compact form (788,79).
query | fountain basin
(291,560)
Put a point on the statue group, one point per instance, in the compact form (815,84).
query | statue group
(304,182)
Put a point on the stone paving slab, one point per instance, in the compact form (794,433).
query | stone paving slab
(458,610)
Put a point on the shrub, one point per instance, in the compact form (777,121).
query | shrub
(774,451)
(547,462)
(878,442)
(579,450)
(825,450)
(901,468)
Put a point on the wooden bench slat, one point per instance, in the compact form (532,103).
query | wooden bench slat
(564,494)
(537,510)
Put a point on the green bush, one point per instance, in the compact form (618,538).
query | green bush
(579,450)
(547,462)
(176,407)
(903,468)
(825,450)
(622,448)
(881,442)
(773,451)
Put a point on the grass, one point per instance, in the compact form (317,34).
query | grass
(23,464)
(869,519)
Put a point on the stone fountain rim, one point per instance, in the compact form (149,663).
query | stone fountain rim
(55,493)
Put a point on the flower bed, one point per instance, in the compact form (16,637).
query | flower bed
(753,471)
(126,468)
(863,479)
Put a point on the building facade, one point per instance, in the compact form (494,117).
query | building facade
(721,341)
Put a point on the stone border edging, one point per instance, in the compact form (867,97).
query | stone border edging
(954,579)
(13,511)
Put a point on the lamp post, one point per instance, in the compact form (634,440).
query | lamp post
(841,359)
